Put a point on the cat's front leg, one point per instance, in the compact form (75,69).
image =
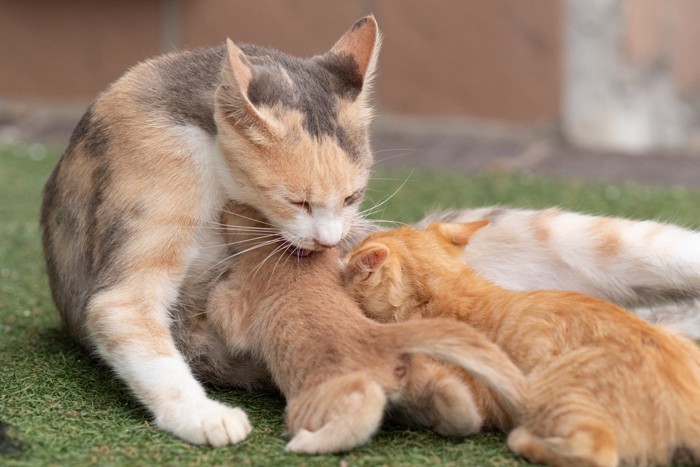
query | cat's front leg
(131,332)
(129,326)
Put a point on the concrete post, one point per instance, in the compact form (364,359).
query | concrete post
(621,69)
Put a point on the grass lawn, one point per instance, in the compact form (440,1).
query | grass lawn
(66,409)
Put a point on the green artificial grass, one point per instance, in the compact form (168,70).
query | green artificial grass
(64,408)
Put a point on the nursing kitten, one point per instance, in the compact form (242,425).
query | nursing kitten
(646,266)
(603,386)
(130,212)
(337,368)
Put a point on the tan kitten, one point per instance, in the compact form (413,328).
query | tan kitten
(603,386)
(337,368)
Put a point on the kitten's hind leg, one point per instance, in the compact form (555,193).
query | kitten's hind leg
(335,416)
(590,445)
(435,397)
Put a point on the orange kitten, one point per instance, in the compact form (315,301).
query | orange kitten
(603,386)
(337,368)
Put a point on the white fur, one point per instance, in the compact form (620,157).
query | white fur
(204,150)
(326,224)
(652,259)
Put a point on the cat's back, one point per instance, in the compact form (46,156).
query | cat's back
(173,89)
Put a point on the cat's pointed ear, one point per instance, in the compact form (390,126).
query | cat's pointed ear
(353,59)
(459,233)
(364,262)
(232,97)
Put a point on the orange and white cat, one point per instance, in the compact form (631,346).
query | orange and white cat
(338,369)
(648,267)
(604,387)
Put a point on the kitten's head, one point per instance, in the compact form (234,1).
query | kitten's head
(295,133)
(390,273)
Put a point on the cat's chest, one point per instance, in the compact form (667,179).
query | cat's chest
(207,251)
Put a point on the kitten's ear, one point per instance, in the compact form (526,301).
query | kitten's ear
(459,233)
(232,97)
(367,260)
(354,57)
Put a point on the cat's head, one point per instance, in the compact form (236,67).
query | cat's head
(390,272)
(295,133)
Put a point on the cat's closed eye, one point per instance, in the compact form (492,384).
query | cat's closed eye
(354,198)
(301,204)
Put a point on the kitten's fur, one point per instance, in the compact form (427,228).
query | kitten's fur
(130,212)
(337,368)
(603,386)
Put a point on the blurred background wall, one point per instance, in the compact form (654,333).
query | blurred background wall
(617,74)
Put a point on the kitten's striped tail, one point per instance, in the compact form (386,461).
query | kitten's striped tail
(459,344)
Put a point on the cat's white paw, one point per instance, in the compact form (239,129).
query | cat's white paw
(207,422)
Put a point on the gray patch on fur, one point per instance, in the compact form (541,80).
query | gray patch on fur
(100,184)
(317,85)
(348,80)
(79,131)
(66,220)
(654,295)
(92,132)
(112,238)
(97,139)
(187,82)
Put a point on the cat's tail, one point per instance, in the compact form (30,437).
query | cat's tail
(459,344)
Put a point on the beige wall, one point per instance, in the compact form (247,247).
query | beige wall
(67,50)
(497,60)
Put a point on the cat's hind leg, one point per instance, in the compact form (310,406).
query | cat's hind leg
(589,445)
(335,416)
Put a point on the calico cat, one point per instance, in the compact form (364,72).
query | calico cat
(603,386)
(337,368)
(129,213)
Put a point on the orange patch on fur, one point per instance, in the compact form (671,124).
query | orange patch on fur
(607,238)
(540,225)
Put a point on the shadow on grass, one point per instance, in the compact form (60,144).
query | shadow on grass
(9,445)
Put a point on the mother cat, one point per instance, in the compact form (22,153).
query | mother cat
(130,213)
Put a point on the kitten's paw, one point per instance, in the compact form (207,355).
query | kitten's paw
(306,442)
(207,422)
